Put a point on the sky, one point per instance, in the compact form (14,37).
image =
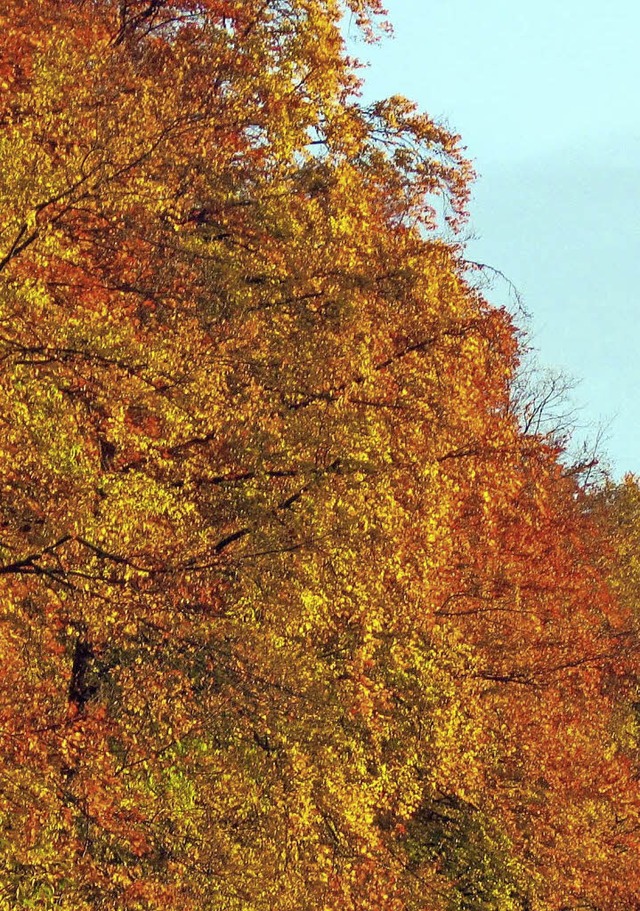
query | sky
(545,97)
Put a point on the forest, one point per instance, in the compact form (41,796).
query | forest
(301,610)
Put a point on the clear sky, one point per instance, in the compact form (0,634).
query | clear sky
(545,96)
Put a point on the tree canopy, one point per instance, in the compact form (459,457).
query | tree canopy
(296,612)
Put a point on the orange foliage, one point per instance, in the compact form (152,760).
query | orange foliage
(295,615)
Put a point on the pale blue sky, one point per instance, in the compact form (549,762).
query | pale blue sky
(544,96)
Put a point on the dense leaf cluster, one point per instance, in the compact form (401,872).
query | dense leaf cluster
(296,612)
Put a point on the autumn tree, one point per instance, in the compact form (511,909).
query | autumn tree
(295,613)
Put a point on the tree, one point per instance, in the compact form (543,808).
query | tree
(295,615)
